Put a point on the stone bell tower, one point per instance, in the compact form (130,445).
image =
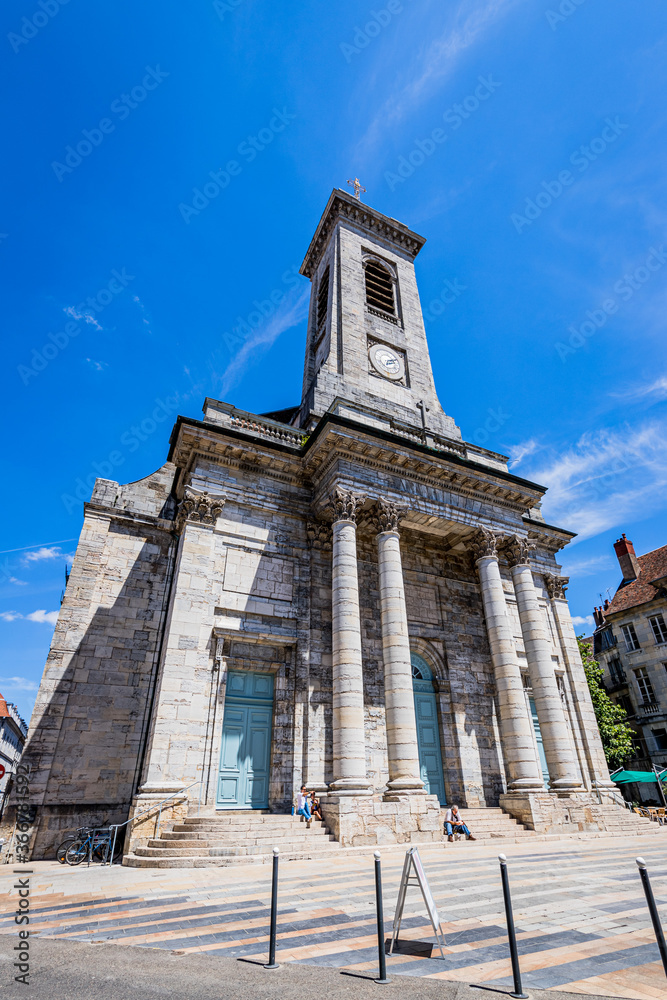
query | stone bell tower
(366,352)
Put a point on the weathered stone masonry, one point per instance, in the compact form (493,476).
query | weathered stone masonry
(322,548)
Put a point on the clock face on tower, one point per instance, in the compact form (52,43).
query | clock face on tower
(386,361)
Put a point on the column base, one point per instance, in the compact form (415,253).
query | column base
(558,812)
(350,786)
(370,820)
(402,788)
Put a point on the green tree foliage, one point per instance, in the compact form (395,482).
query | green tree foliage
(615,732)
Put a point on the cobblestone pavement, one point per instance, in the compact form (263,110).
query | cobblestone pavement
(579,908)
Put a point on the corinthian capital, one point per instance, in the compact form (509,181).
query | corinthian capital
(387,516)
(556,586)
(518,550)
(484,543)
(345,505)
(199,507)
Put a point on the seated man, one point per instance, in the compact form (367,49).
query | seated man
(454,824)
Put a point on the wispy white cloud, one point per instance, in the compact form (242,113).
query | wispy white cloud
(17,582)
(586,620)
(39,555)
(293,310)
(586,567)
(518,452)
(652,391)
(144,315)
(98,366)
(83,316)
(468,23)
(605,478)
(44,617)
(18,684)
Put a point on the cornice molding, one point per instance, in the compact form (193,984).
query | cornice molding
(342,205)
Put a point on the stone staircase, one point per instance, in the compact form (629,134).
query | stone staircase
(231,837)
(246,836)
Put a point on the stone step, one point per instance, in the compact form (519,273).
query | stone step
(200,836)
(267,842)
(166,851)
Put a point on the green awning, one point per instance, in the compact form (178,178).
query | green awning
(623,777)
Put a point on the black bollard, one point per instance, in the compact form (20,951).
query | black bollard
(382,958)
(653,910)
(516,971)
(272,964)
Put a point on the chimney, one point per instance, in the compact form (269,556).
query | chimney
(598,617)
(625,553)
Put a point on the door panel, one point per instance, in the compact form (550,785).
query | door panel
(428,741)
(245,751)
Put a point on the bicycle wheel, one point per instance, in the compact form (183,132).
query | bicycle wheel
(76,852)
(62,850)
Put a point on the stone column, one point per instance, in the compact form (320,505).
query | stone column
(563,776)
(402,748)
(349,744)
(581,696)
(523,773)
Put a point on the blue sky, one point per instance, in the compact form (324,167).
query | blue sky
(543,203)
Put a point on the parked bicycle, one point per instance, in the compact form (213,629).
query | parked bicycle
(93,845)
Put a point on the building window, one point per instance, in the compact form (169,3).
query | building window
(659,628)
(660,737)
(379,287)
(630,636)
(644,685)
(323,298)
(625,703)
(616,671)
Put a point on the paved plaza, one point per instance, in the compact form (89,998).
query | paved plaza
(581,916)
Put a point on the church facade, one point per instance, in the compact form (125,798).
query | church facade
(345,595)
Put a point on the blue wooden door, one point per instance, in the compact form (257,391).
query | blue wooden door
(540,742)
(428,732)
(245,752)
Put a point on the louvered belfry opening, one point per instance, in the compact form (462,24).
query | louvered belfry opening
(323,298)
(379,287)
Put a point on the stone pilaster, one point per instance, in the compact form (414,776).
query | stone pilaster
(581,696)
(521,766)
(563,773)
(402,748)
(349,751)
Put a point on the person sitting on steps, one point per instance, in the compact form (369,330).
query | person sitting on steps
(454,824)
(303,806)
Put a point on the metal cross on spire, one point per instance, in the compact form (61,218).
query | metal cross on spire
(357,188)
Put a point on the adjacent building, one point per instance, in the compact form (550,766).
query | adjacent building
(13,732)
(630,643)
(344,594)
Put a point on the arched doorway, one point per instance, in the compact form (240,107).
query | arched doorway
(428,733)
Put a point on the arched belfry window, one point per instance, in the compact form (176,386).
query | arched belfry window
(379,286)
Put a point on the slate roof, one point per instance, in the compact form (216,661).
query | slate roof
(653,567)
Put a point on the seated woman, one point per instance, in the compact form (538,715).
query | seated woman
(315,807)
(454,824)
